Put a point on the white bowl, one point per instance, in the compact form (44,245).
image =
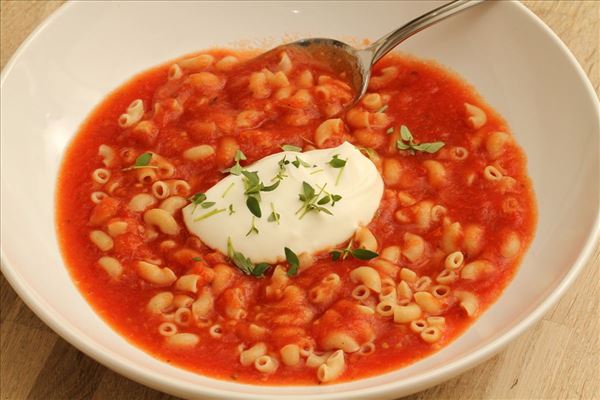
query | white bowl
(87,49)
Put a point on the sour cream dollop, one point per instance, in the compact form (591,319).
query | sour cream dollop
(358,183)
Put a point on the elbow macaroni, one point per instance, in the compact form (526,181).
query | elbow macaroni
(333,368)
(368,276)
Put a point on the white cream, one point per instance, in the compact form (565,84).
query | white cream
(360,186)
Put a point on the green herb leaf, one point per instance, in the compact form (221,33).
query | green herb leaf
(405,134)
(363,254)
(359,254)
(402,146)
(253,187)
(298,162)
(143,160)
(243,263)
(289,147)
(260,269)
(239,155)
(198,198)
(230,249)
(237,169)
(292,260)
(281,172)
(339,254)
(253,206)
(230,209)
(382,109)
(335,254)
(270,188)
(324,200)
(251,177)
(311,201)
(323,209)
(336,162)
(308,190)
(251,182)
(196,259)
(335,198)
(273,217)
(390,130)
(429,147)
(283,162)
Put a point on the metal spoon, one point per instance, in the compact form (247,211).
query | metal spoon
(355,64)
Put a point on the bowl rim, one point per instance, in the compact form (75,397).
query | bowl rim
(150,378)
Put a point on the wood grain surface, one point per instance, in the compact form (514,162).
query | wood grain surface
(558,358)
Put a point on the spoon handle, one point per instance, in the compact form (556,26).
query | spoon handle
(382,46)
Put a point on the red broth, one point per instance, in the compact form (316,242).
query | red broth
(472,196)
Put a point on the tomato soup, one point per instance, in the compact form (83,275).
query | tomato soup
(454,216)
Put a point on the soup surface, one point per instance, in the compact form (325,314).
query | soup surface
(452,215)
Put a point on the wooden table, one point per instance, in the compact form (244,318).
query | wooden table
(558,358)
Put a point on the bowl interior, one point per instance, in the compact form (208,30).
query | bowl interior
(88,49)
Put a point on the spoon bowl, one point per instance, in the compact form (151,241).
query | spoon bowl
(355,64)
(341,58)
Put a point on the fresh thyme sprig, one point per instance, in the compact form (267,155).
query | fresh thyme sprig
(281,172)
(199,199)
(237,168)
(337,162)
(253,186)
(244,264)
(360,254)
(406,142)
(334,198)
(311,200)
(298,162)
